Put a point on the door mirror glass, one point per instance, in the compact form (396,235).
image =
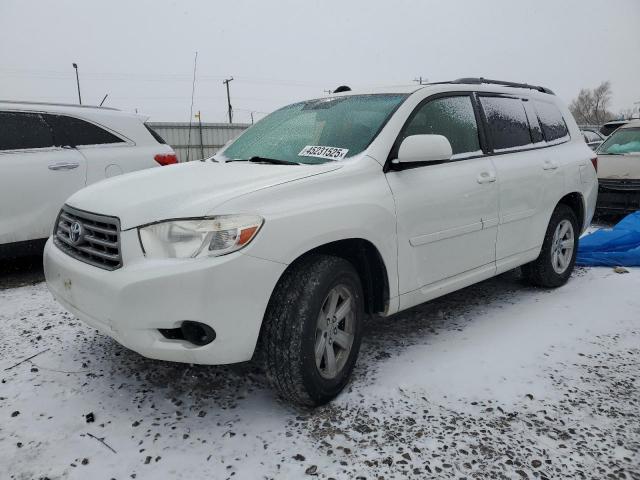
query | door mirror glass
(424,148)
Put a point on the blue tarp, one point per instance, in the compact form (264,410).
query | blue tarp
(618,246)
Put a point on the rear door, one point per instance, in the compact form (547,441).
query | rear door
(527,173)
(447,212)
(107,152)
(37,174)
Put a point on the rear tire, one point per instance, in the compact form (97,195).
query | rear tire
(312,329)
(555,263)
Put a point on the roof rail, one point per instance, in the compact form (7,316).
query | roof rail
(55,104)
(481,80)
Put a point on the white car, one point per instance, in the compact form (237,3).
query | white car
(322,212)
(619,170)
(50,151)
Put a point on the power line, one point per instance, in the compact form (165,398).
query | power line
(155,77)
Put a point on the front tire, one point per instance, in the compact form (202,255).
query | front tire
(313,329)
(557,257)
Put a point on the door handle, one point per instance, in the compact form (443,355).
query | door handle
(548,165)
(64,166)
(486,177)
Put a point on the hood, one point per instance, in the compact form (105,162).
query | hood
(186,190)
(625,166)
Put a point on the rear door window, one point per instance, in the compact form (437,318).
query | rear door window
(534,123)
(75,132)
(23,131)
(452,117)
(553,124)
(507,122)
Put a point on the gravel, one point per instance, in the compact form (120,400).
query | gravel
(498,381)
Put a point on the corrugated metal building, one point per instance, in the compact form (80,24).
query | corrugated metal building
(214,136)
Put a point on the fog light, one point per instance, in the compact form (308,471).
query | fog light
(199,334)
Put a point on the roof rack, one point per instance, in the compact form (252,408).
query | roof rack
(19,102)
(481,80)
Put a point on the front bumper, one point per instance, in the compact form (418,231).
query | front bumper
(228,293)
(618,196)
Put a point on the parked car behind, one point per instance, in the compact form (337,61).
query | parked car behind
(610,127)
(619,170)
(592,136)
(322,212)
(49,151)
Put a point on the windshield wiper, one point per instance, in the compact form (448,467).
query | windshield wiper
(273,161)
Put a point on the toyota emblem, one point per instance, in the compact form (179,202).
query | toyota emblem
(76,233)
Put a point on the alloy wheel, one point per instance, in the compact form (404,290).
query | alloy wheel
(562,247)
(334,332)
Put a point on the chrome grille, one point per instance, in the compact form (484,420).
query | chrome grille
(88,237)
(619,184)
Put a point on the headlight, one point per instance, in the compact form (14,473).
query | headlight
(199,237)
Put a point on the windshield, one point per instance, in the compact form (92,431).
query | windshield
(316,131)
(625,140)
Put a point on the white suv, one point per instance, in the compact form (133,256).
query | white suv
(323,212)
(49,151)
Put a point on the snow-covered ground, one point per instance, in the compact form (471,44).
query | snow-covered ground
(499,380)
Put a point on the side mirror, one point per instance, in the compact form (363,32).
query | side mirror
(424,148)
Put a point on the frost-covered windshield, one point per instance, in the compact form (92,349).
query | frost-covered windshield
(316,131)
(624,140)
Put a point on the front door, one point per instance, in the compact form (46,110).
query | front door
(447,213)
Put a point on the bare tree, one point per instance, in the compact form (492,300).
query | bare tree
(591,106)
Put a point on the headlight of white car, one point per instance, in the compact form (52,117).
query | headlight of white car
(199,237)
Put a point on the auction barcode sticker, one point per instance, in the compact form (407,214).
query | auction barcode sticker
(330,153)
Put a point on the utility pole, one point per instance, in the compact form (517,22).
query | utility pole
(328,92)
(226,82)
(193,91)
(420,81)
(75,66)
(199,117)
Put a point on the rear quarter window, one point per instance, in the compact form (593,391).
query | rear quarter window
(73,131)
(23,131)
(553,125)
(155,134)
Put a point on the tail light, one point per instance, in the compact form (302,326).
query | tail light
(594,162)
(166,158)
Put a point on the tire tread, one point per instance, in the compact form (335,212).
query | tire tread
(540,272)
(283,330)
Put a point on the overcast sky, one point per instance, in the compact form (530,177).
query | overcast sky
(141,52)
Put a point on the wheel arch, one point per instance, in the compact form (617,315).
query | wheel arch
(368,262)
(576,202)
